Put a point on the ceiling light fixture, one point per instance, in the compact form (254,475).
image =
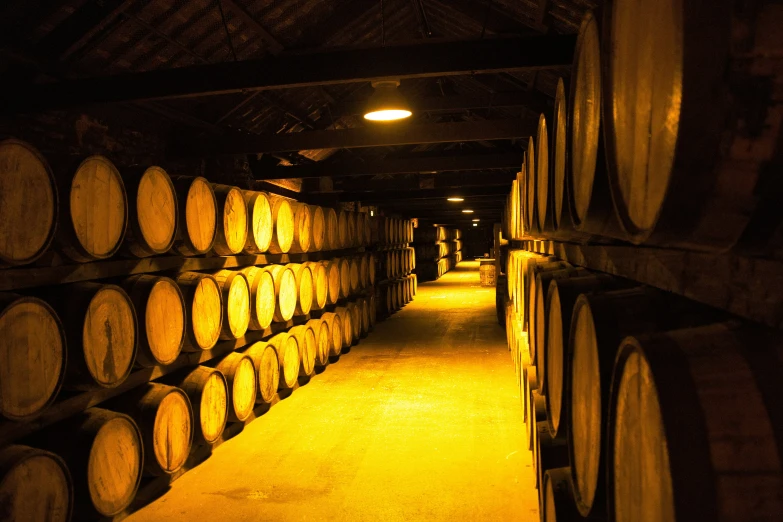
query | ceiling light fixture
(477,219)
(386,103)
(475,224)
(455,199)
(467,211)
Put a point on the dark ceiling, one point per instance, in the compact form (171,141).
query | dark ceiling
(266,70)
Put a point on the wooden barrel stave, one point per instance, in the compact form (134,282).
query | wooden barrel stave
(260,223)
(267,368)
(198,215)
(152,211)
(207,390)
(287,348)
(240,374)
(283,231)
(203,309)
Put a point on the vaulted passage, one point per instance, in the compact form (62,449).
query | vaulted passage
(420,421)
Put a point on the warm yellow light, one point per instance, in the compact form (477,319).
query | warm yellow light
(475,224)
(455,199)
(477,219)
(388,115)
(467,211)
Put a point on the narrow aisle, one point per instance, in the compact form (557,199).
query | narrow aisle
(420,421)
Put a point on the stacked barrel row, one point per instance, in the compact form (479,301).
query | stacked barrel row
(387,231)
(92,211)
(642,405)
(628,149)
(438,250)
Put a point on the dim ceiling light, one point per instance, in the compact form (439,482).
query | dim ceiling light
(475,224)
(477,219)
(386,103)
(455,199)
(467,211)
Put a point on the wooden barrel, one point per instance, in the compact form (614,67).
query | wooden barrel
(164,416)
(353,236)
(559,150)
(531,187)
(260,225)
(336,333)
(353,272)
(373,310)
(304,287)
(105,455)
(342,229)
(701,407)
(707,91)
(346,320)
(232,220)
(345,277)
(317,228)
(332,236)
(548,453)
(203,309)
(235,292)
(33,356)
(361,238)
(160,312)
(267,368)
(29,204)
(287,348)
(589,198)
(364,271)
(285,292)
(320,284)
(303,222)
(533,269)
(198,215)
(371,269)
(323,341)
(561,296)
(356,321)
(240,374)
(558,497)
(333,279)
(600,322)
(262,297)
(152,211)
(536,414)
(93,211)
(543,216)
(208,393)
(34,485)
(100,328)
(308,348)
(283,231)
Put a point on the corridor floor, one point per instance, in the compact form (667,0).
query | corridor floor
(420,421)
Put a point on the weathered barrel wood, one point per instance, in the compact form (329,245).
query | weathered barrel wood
(164,416)
(317,228)
(267,368)
(533,269)
(364,271)
(336,333)
(262,297)
(559,161)
(303,222)
(203,309)
(260,223)
(287,348)
(100,328)
(544,196)
(285,292)
(364,316)
(308,347)
(371,270)
(207,390)
(152,211)
(198,215)
(536,414)
(700,76)
(346,320)
(283,231)
(34,485)
(235,293)
(332,236)
(558,497)
(588,194)
(345,277)
(323,339)
(356,321)
(695,414)
(548,453)
(531,187)
(105,456)
(33,356)
(93,211)
(320,284)
(342,229)
(161,316)
(353,272)
(600,322)
(304,287)
(373,309)
(240,374)
(232,220)
(333,278)
(29,203)
(350,218)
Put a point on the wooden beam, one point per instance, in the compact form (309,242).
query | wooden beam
(372,136)
(396,166)
(272,44)
(419,60)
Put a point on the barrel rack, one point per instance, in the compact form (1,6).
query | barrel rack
(744,286)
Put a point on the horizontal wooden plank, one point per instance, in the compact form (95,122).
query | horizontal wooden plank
(747,287)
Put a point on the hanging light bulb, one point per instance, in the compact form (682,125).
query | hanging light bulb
(386,103)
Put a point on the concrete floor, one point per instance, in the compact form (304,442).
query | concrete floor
(420,421)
